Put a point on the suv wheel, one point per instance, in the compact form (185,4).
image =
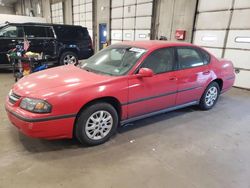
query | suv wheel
(210,96)
(68,58)
(96,124)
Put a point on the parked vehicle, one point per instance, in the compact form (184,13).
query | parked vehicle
(65,44)
(122,83)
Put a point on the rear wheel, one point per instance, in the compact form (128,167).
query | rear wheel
(68,58)
(210,96)
(96,124)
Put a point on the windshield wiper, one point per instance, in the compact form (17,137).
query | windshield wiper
(96,71)
(88,69)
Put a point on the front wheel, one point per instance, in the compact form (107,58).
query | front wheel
(210,96)
(96,124)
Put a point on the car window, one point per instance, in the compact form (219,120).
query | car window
(49,32)
(206,56)
(71,33)
(11,32)
(38,32)
(188,58)
(160,61)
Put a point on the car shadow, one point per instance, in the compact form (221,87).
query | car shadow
(156,119)
(7,71)
(39,145)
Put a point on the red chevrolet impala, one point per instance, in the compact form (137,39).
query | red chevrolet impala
(122,83)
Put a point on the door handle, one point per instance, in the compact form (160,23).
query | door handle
(206,72)
(173,79)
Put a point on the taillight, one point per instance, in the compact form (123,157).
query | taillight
(90,43)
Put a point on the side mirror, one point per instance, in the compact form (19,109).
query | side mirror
(145,72)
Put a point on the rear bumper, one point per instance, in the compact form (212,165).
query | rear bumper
(85,54)
(54,127)
(228,82)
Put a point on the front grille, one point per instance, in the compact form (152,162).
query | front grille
(13,98)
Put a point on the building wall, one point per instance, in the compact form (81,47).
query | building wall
(101,15)
(7,10)
(67,10)
(174,14)
(23,7)
(131,20)
(223,28)
(168,16)
(46,10)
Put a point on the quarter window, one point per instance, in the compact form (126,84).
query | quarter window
(206,56)
(188,58)
(160,61)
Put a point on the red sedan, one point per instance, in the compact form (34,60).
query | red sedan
(122,83)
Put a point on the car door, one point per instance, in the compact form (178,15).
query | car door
(37,37)
(192,75)
(10,36)
(150,94)
(50,43)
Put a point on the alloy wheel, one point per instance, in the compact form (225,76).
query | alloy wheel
(69,59)
(99,124)
(211,96)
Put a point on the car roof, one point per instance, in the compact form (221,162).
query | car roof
(154,44)
(43,24)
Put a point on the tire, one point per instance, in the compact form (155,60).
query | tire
(68,58)
(210,96)
(90,129)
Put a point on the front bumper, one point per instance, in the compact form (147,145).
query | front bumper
(50,127)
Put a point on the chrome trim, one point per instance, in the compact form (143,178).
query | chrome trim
(39,119)
(13,98)
(158,112)
(161,95)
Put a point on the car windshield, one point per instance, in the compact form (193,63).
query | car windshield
(115,60)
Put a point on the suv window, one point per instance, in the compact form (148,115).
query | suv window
(189,57)
(11,32)
(38,32)
(71,33)
(160,61)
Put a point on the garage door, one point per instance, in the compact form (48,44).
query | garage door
(83,13)
(130,20)
(57,13)
(223,28)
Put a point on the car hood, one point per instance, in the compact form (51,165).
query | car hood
(66,77)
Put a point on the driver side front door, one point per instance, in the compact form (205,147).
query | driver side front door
(152,94)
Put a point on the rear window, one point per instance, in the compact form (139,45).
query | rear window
(71,33)
(189,58)
(38,32)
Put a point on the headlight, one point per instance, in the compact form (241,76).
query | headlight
(35,105)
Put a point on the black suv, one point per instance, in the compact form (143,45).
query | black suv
(64,44)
